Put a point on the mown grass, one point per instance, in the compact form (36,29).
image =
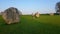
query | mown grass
(43,25)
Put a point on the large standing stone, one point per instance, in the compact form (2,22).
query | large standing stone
(11,15)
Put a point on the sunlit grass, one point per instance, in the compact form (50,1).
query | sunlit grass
(28,25)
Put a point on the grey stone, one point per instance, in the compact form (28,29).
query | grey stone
(11,15)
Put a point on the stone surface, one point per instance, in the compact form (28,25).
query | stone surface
(11,15)
(36,15)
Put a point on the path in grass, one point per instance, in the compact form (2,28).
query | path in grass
(28,25)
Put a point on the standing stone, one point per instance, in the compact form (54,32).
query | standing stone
(37,15)
(51,14)
(32,14)
(11,15)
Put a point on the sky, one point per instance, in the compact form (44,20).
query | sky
(30,6)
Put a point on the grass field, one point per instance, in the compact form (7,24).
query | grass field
(27,25)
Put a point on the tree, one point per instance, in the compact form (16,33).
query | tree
(57,8)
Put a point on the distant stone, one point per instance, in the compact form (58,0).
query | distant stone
(51,14)
(37,15)
(11,15)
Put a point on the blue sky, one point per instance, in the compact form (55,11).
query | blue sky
(30,6)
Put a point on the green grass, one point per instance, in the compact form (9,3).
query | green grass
(43,25)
